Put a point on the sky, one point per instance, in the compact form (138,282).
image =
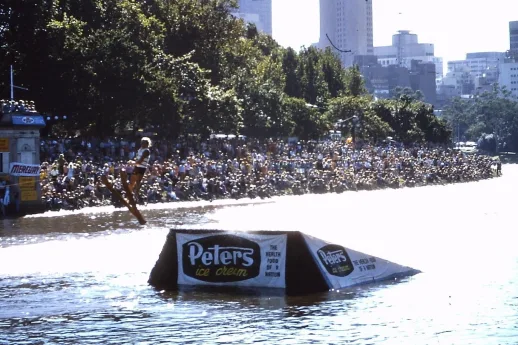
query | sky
(455,27)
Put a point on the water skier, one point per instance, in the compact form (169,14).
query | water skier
(141,164)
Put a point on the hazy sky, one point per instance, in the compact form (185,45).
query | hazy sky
(456,27)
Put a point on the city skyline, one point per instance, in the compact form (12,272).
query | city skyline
(454,27)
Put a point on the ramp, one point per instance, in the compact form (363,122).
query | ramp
(288,260)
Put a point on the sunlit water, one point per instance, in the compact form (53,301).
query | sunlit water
(81,278)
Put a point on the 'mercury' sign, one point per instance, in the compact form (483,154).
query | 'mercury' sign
(21,169)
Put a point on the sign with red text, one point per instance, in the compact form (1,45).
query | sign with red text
(343,267)
(21,169)
(232,259)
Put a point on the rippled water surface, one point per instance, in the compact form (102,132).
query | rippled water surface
(81,278)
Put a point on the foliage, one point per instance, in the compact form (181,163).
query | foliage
(493,112)
(188,66)
(354,83)
(308,122)
(399,91)
(406,118)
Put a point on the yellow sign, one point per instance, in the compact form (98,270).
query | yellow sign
(27,183)
(29,195)
(4,145)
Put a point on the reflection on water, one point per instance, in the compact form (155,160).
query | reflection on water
(81,278)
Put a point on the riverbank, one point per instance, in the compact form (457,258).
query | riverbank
(223,202)
(260,171)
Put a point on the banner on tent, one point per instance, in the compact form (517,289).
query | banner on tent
(232,259)
(343,267)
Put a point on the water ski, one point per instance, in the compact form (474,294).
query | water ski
(130,203)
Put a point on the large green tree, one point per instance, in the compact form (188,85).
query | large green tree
(188,66)
(491,112)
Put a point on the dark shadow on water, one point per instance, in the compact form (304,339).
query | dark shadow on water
(29,230)
(52,224)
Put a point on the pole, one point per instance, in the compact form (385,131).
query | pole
(12,84)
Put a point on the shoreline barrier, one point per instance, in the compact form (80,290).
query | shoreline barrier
(289,260)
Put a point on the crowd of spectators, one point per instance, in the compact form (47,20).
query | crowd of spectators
(217,168)
(21,106)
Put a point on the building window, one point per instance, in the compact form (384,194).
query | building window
(27,157)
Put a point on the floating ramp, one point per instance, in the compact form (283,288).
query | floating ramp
(289,260)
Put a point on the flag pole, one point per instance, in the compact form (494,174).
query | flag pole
(12,84)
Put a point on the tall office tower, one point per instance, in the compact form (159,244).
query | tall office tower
(258,12)
(348,25)
(513,36)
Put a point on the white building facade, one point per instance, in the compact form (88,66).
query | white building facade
(258,12)
(482,64)
(479,64)
(348,25)
(508,77)
(460,79)
(480,70)
(405,48)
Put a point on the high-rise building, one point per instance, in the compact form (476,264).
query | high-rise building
(348,25)
(513,36)
(258,12)
(405,48)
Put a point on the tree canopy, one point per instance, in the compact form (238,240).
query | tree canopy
(493,112)
(188,66)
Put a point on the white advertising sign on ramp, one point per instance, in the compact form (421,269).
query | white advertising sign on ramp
(343,267)
(232,259)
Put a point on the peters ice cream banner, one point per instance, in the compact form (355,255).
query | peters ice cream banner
(343,267)
(234,259)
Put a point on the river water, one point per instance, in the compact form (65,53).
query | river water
(81,278)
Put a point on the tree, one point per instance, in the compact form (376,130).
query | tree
(308,122)
(354,82)
(371,127)
(412,121)
(334,74)
(375,129)
(204,27)
(492,112)
(100,57)
(188,66)
(219,112)
(399,91)
(314,86)
(434,129)
(459,114)
(290,66)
